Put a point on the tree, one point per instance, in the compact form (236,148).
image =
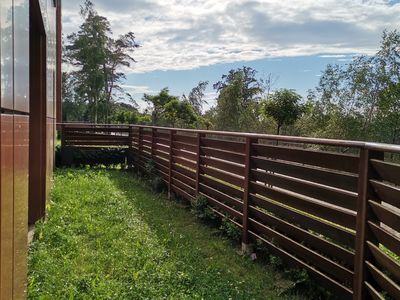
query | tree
(196,96)
(361,99)
(97,59)
(229,104)
(283,107)
(251,87)
(180,113)
(158,103)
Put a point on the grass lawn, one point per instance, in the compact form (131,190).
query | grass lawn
(108,237)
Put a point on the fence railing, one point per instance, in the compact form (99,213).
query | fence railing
(328,206)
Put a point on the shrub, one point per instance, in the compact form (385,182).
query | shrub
(231,230)
(201,210)
(158,185)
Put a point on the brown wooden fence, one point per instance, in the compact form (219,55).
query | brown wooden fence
(328,206)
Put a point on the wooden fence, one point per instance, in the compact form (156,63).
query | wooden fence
(328,206)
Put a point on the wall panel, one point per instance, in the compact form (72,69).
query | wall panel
(7,205)
(6,54)
(21,55)
(21,173)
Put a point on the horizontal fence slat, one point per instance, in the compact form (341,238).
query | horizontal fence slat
(223,207)
(320,226)
(336,161)
(385,238)
(223,187)
(329,178)
(324,264)
(320,209)
(223,165)
(221,175)
(232,202)
(387,193)
(385,261)
(374,294)
(386,215)
(387,171)
(301,235)
(388,285)
(328,194)
(340,290)
(221,144)
(223,154)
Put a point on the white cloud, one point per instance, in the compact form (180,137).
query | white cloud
(187,34)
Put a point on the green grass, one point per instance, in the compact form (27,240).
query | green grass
(108,237)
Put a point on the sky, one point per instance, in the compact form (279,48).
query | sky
(187,41)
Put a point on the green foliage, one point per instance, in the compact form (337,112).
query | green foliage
(169,110)
(231,230)
(360,100)
(107,238)
(97,58)
(196,97)
(284,107)
(201,209)
(72,156)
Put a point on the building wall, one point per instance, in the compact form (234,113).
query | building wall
(15,132)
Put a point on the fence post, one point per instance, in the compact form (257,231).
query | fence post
(152,143)
(365,193)
(130,144)
(140,129)
(171,144)
(246,195)
(62,133)
(198,154)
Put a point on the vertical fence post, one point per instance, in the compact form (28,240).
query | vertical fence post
(365,193)
(140,129)
(171,145)
(130,145)
(152,142)
(198,154)
(246,196)
(62,135)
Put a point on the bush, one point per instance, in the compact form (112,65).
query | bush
(231,230)
(201,210)
(158,185)
(72,156)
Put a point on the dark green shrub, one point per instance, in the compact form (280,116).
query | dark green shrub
(201,210)
(72,156)
(231,230)
(158,185)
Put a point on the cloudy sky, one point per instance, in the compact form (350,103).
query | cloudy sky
(185,41)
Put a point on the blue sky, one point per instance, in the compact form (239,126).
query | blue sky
(185,41)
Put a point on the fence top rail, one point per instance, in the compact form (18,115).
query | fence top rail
(290,139)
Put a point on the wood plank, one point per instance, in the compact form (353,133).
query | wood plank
(385,238)
(324,159)
(229,178)
(338,235)
(185,171)
(223,187)
(375,295)
(187,180)
(223,144)
(185,162)
(224,198)
(324,193)
(387,193)
(386,215)
(223,154)
(330,178)
(223,207)
(387,171)
(384,281)
(385,261)
(184,146)
(300,235)
(184,154)
(324,264)
(320,209)
(223,165)
(340,290)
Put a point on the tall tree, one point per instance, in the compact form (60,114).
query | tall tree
(97,60)
(251,87)
(157,103)
(196,96)
(284,107)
